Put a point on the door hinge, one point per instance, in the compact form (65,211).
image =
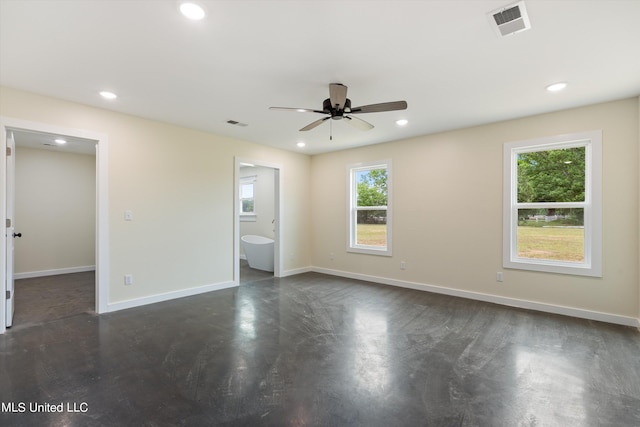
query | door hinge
(8,222)
(8,294)
(8,151)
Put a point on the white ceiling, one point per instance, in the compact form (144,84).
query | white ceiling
(442,57)
(47,141)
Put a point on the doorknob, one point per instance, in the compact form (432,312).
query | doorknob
(17,235)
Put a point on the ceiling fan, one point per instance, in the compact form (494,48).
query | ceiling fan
(338,107)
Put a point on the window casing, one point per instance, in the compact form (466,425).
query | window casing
(247,198)
(369,214)
(552,207)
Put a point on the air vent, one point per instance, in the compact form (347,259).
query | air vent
(510,19)
(236,123)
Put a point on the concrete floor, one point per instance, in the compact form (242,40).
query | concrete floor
(43,299)
(315,350)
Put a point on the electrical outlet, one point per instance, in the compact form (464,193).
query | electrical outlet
(499,277)
(403,265)
(128,215)
(128,279)
(331,256)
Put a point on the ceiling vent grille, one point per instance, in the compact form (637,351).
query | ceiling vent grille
(510,19)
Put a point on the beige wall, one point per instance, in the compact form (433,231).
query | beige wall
(447,211)
(55,206)
(179,184)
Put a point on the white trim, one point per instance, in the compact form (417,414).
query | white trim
(54,272)
(167,296)
(102,225)
(495,299)
(3,235)
(592,265)
(297,271)
(102,203)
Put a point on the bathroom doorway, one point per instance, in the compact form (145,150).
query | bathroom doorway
(257,213)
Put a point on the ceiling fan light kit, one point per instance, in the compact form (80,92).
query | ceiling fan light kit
(338,107)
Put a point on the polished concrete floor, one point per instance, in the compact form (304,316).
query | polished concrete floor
(315,350)
(43,299)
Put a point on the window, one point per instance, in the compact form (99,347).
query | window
(370,208)
(552,204)
(247,198)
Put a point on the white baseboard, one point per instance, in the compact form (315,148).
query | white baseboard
(295,271)
(511,302)
(54,272)
(137,302)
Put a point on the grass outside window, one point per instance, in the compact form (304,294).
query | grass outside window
(371,234)
(551,243)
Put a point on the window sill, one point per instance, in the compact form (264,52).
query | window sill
(549,266)
(369,250)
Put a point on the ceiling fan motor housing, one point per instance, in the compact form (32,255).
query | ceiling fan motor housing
(336,113)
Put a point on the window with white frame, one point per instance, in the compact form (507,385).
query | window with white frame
(247,198)
(552,204)
(370,208)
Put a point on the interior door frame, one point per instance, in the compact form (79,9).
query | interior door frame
(277,205)
(102,211)
(10,207)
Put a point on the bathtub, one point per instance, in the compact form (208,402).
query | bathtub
(259,251)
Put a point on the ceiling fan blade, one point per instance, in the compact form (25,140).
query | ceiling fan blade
(358,123)
(337,95)
(378,108)
(314,124)
(298,110)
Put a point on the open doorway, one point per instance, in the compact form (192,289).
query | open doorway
(257,224)
(55,221)
(96,269)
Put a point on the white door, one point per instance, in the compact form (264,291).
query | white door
(11,149)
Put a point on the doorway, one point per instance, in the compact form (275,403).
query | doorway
(54,253)
(79,139)
(257,212)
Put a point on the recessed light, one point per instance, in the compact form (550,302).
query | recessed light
(108,95)
(402,122)
(301,144)
(59,141)
(556,87)
(192,11)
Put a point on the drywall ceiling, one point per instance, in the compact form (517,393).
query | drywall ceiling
(443,57)
(47,141)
